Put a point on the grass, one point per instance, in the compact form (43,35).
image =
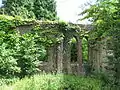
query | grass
(53,82)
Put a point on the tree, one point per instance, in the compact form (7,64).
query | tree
(45,9)
(39,9)
(23,8)
(105,16)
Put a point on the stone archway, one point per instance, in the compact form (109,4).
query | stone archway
(59,54)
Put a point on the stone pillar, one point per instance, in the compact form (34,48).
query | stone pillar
(60,57)
(66,56)
(51,52)
(79,55)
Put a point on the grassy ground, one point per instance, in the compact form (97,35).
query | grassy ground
(53,82)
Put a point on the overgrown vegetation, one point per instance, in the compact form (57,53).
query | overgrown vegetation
(19,54)
(54,82)
(38,9)
(105,17)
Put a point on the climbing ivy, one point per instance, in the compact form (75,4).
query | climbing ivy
(20,53)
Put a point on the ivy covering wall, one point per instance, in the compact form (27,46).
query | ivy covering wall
(19,54)
(24,42)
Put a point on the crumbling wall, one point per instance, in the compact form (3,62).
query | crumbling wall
(98,55)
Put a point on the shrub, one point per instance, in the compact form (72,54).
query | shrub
(19,54)
(55,82)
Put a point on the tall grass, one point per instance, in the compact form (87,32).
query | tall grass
(54,82)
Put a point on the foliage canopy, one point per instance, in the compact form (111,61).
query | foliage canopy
(38,9)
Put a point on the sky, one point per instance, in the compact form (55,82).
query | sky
(68,10)
(0,2)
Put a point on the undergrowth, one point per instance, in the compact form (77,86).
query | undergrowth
(53,82)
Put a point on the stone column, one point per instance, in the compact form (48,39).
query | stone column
(51,52)
(79,55)
(60,57)
(66,56)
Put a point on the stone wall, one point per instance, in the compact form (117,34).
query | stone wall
(59,55)
(44,67)
(98,55)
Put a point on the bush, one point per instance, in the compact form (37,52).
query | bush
(9,81)
(55,82)
(19,54)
